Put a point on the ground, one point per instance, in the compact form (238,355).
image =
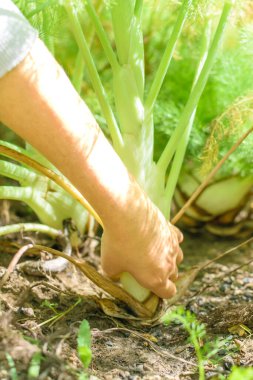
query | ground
(221,297)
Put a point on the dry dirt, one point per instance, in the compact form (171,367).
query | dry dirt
(221,297)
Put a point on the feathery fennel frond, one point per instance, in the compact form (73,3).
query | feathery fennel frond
(225,130)
(229,82)
(46,16)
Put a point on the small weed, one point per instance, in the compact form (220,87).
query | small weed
(34,368)
(205,351)
(50,305)
(12,366)
(31,340)
(84,343)
(58,315)
(241,374)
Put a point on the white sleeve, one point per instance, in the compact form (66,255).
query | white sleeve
(17,36)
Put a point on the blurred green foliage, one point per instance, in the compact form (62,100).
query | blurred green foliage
(225,109)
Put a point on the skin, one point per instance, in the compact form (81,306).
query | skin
(38,102)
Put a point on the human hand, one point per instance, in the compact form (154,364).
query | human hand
(149,251)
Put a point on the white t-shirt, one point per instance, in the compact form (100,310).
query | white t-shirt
(16,36)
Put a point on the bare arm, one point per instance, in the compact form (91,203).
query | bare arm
(39,103)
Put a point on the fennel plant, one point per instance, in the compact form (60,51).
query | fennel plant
(132,129)
(224,113)
(50,202)
(129,115)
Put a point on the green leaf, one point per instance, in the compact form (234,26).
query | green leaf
(84,343)
(12,366)
(85,355)
(34,368)
(83,376)
(241,373)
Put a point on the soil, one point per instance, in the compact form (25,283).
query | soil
(221,297)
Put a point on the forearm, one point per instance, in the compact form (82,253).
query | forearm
(39,103)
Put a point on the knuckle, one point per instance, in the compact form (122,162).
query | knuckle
(180,256)
(178,234)
(157,282)
(169,291)
(174,275)
(172,292)
(173,269)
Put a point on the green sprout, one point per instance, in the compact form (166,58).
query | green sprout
(205,350)
(84,344)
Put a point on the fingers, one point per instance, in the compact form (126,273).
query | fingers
(173,271)
(168,290)
(180,256)
(174,276)
(180,236)
(165,289)
(158,273)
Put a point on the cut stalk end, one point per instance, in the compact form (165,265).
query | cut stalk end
(133,287)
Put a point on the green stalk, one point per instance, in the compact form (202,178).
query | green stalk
(30,227)
(122,12)
(138,8)
(94,76)
(15,147)
(79,64)
(136,55)
(18,173)
(176,167)
(77,78)
(128,79)
(191,326)
(167,56)
(45,212)
(60,181)
(66,207)
(15,193)
(182,146)
(196,345)
(51,207)
(192,103)
(102,36)
(29,152)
